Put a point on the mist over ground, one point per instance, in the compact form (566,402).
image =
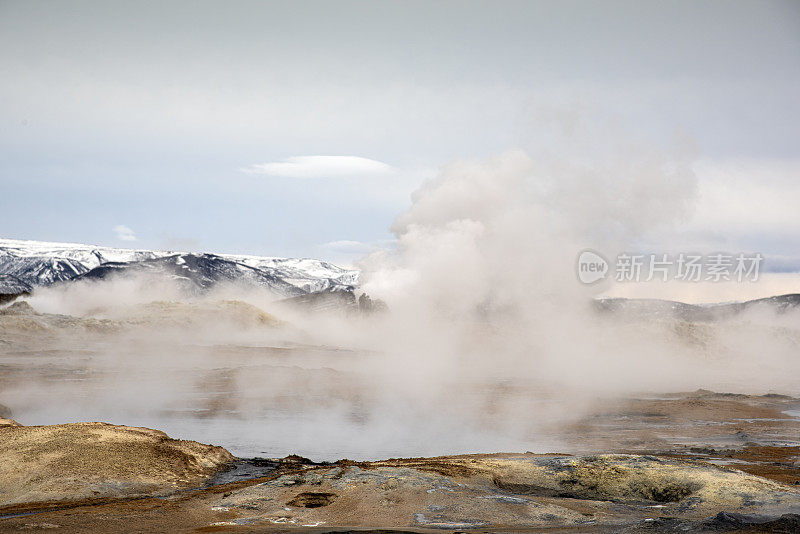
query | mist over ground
(489,342)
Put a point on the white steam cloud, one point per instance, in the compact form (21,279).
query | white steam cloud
(489,342)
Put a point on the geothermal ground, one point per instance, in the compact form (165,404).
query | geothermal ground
(717,463)
(648,462)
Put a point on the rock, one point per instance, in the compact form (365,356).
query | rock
(18,308)
(342,301)
(729,521)
(84,461)
(368,305)
(510,491)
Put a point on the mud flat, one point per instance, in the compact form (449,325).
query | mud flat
(98,477)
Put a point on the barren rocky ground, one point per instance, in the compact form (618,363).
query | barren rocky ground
(86,475)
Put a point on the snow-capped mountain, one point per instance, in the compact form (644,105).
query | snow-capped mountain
(10,286)
(35,263)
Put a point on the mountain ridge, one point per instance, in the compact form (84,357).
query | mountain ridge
(30,264)
(653,308)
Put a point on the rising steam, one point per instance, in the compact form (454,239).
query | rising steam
(489,342)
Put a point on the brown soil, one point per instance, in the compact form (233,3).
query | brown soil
(85,461)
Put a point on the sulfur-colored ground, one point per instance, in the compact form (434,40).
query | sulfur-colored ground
(524,491)
(502,492)
(73,462)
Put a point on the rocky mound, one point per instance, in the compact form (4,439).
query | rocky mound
(507,491)
(199,313)
(81,461)
(21,318)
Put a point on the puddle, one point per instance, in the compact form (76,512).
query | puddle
(245,469)
(726,461)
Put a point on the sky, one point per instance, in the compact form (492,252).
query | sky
(302,128)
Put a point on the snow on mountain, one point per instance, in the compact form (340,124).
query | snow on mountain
(197,272)
(37,263)
(41,263)
(310,275)
(11,285)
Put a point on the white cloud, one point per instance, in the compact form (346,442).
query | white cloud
(124,233)
(320,167)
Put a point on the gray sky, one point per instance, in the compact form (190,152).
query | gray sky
(192,125)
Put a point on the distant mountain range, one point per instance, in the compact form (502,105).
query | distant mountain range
(655,308)
(26,265)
